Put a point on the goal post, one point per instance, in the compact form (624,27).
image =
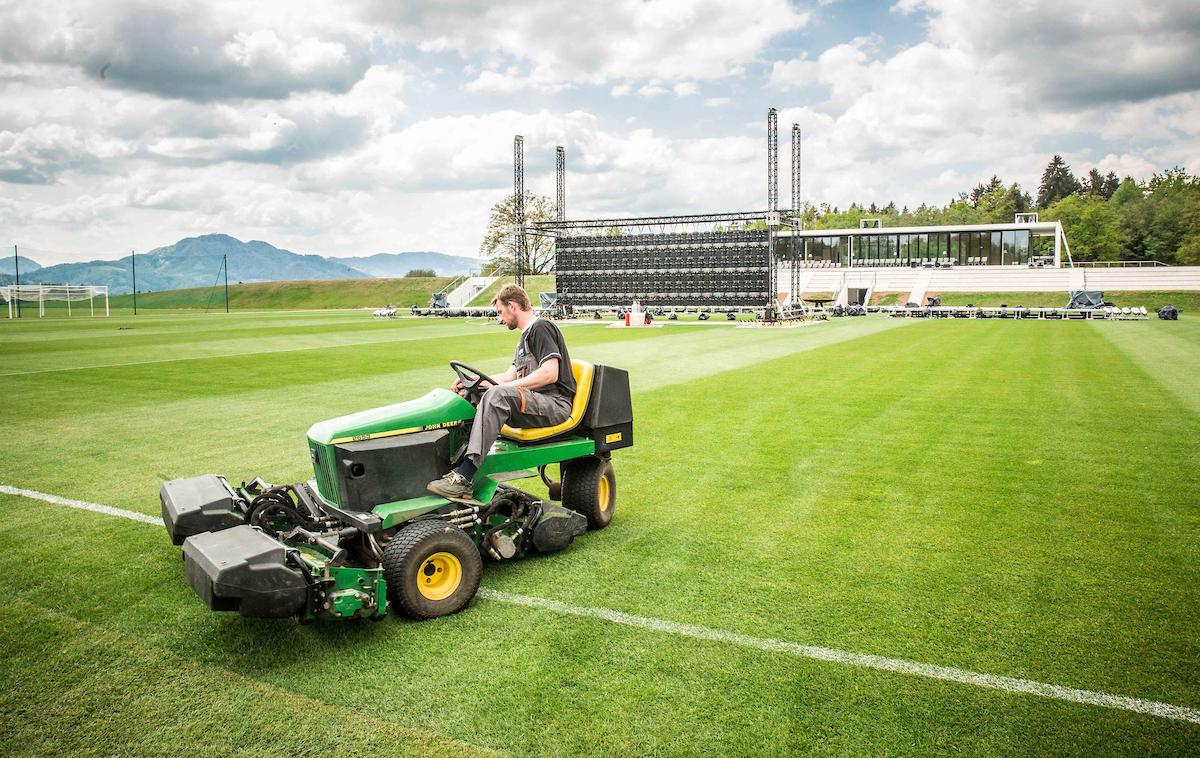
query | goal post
(43,293)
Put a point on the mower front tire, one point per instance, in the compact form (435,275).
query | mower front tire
(432,569)
(589,487)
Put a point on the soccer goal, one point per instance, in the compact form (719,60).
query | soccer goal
(16,294)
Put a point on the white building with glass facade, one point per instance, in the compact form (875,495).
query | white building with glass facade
(1021,243)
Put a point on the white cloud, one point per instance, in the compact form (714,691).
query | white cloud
(985,94)
(846,69)
(686,89)
(1085,53)
(1123,165)
(716,102)
(565,42)
(508,81)
(210,51)
(794,73)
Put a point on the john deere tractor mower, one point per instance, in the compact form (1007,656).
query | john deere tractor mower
(364,535)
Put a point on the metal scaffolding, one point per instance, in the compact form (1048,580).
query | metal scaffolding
(772,160)
(650,221)
(560,182)
(519,206)
(795,168)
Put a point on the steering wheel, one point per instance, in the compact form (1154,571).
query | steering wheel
(471,379)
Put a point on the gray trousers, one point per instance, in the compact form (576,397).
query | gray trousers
(505,404)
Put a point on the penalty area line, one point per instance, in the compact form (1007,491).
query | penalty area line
(862,660)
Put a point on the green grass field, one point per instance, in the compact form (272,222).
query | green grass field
(1016,499)
(335,293)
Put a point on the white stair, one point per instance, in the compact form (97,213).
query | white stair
(920,286)
(464,293)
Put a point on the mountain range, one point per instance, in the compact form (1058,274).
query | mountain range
(197,261)
(8,266)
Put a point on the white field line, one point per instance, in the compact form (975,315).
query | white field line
(897,665)
(767,644)
(80,504)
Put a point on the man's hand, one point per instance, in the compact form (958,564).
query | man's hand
(483,386)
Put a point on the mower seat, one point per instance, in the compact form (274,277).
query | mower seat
(583,372)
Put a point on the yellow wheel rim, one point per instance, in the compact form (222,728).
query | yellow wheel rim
(602,493)
(439,576)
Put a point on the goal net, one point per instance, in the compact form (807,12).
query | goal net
(17,295)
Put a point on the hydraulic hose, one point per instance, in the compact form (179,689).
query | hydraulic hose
(276,499)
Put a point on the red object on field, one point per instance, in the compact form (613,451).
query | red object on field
(626,318)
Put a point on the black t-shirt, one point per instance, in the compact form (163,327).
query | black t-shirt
(541,341)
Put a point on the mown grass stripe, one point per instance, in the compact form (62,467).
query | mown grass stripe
(234,354)
(117,693)
(863,660)
(255,352)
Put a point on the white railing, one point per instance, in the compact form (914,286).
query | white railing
(1119,264)
(453,284)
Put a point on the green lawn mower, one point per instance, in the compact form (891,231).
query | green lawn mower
(364,535)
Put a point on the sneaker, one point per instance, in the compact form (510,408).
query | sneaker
(452,486)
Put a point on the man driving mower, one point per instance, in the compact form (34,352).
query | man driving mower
(536,391)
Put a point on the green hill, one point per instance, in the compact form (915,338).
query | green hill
(296,295)
(534,285)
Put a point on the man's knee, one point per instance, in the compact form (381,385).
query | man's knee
(499,395)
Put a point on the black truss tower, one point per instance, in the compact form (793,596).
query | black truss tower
(560,182)
(796,168)
(519,206)
(772,160)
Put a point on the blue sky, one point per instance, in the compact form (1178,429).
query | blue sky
(369,126)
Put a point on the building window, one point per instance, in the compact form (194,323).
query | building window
(1022,254)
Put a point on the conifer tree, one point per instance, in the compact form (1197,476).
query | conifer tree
(1057,182)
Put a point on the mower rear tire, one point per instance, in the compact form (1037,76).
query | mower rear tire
(589,487)
(432,569)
